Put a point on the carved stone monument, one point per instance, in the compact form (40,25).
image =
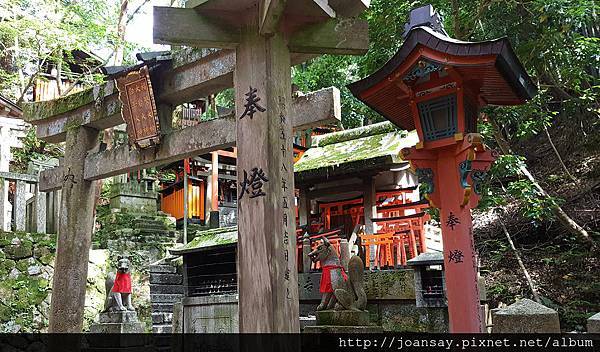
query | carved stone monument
(343,301)
(119,315)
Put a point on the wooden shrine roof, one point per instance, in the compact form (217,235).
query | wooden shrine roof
(491,65)
(8,108)
(371,148)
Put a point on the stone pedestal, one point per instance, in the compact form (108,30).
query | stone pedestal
(118,322)
(525,316)
(593,324)
(343,317)
(343,321)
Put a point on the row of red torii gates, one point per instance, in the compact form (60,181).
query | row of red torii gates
(434,84)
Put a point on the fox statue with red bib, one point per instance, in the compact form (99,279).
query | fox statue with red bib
(340,290)
(118,289)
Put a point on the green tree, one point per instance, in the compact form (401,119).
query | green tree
(557,42)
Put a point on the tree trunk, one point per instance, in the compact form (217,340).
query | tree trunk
(560,214)
(558,155)
(530,282)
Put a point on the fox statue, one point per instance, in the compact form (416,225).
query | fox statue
(339,290)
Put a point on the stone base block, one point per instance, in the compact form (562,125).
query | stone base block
(593,324)
(343,318)
(118,317)
(337,329)
(525,316)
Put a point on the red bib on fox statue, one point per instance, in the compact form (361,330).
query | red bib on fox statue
(326,277)
(122,283)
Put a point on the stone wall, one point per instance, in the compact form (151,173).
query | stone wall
(25,278)
(26,270)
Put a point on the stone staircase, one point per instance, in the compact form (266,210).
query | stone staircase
(166,289)
(147,233)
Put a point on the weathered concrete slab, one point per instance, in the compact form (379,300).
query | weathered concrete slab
(208,75)
(349,8)
(347,36)
(332,329)
(181,26)
(343,317)
(324,103)
(162,268)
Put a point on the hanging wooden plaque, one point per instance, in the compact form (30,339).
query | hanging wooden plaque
(139,108)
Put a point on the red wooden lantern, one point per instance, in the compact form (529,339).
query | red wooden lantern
(436,85)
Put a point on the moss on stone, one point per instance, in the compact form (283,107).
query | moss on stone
(46,259)
(46,109)
(209,238)
(23,297)
(19,251)
(356,146)
(22,265)
(355,133)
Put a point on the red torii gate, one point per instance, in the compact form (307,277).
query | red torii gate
(436,85)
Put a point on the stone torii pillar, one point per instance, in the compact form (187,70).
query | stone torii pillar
(75,234)
(264,33)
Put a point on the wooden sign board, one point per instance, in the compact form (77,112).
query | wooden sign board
(139,108)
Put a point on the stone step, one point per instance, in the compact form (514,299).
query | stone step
(162,268)
(162,279)
(166,289)
(162,307)
(162,318)
(144,231)
(149,226)
(165,298)
(162,329)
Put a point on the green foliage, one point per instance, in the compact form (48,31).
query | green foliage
(35,34)
(226,98)
(33,149)
(533,205)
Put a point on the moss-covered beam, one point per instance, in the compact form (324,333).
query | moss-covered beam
(98,107)
(39,111)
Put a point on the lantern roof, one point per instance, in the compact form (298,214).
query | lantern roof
(489,69)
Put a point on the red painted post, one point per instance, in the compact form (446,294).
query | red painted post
(462,291)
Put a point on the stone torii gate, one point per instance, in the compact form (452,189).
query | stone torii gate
(262,125)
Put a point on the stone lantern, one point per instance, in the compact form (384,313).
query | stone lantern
(437,85)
